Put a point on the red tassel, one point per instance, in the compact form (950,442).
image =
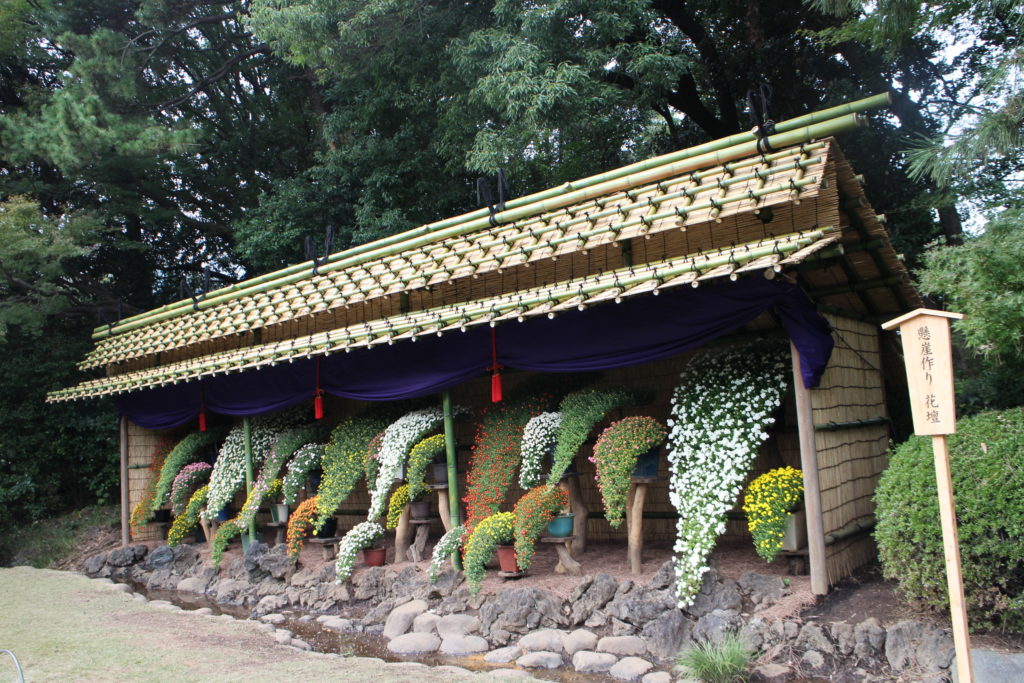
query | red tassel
(495,387)
(318,407)
(202,420)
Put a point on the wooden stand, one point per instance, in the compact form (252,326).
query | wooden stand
(443,509)
(403,536)
(328,545)
(571,485)
(417,551)
(279,529)
(796,561)
(566,563)
(635,521)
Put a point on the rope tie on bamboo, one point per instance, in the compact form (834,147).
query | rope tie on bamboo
(328,245)
(757,103)
(484,197)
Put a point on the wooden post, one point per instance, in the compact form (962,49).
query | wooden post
(453,470)
(635,522)
(125,504)
(443,509)
(570,484)
(402,534)
(812,488)
(247,427)
(929,363)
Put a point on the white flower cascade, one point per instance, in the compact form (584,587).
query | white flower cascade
(400,436)
(539,437)
(305,459)
(720,412)
(229,469)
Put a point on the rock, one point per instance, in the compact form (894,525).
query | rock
(203,612)
(901,642)
(231,591)
(630,668)
(276,562)
(302,578)
(588,662)
(868,640)
(657,677)
(666,634)
(598,592)
(812,637)
(453,670)
(771,673)
(503,674)
(191,585)
(160,558)
(540,660)
(139,597)
(426,623)
(640,605)
(519,610)
(185,559)
(935,652)
(623,646)
(283,636)
(140,551)
(992,666)
(715,595)
(378,614)
(580,639)
(665,576)
(596,620)
(813,662)
(95,563)
(338,624)
(456,603)
(162,579)
(762,590)
(121,557)
(754,633)
(368,583)
(273,619)
(713,627)
(503,655)
(461,645)
(400,619)
(121,588)
(414,643)
(447,581)
(301,644)
(621,628)
(842,634)
(270,603)
(457,625)
(547,639)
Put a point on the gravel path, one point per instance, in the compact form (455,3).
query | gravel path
(66,627)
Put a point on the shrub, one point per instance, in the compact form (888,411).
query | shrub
(498,529)
(726,662)
(533,512)
(987,462)
(616,453)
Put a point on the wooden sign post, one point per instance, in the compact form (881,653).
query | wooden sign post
(928,356)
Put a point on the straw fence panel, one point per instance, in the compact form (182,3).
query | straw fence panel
(141,444)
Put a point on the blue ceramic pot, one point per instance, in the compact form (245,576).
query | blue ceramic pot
(561,526)
(647,463)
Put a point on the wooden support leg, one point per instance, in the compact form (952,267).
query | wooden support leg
(443,509)
(419,546)
(636,527)
(402,536)
(579,509)
(210,529)
(566,563)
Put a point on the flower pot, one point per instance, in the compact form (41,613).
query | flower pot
(647,463)
(279,513)
(313,481)
(419,509)
(224,514)
(796,532)
(329,528)
(400,473)
(507,560)
(374,557)
(561,525)
(440,472)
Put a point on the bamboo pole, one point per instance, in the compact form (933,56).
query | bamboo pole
(812,489)
(713,153)
(453,469)
(125,484)
(247,427)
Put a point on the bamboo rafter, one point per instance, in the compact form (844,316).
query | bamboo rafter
(668,204)
(768,255)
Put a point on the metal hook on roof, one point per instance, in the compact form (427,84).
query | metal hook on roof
(185,289)
(328,245)
(485,198)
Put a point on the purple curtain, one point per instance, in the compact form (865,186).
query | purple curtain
(638,330)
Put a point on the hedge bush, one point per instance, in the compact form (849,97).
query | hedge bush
(987,462)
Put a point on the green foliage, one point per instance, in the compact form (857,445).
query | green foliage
(421,455)
(498,529)
(344,459)
(221,540)
(768,505)
(186,522)
(987,462)
(725,662)
(982,279)
(580,411)
(48,542)
(396,505)
(188,450)
(615,455)
(445,548)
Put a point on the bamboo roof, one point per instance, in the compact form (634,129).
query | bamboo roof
(698,214)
